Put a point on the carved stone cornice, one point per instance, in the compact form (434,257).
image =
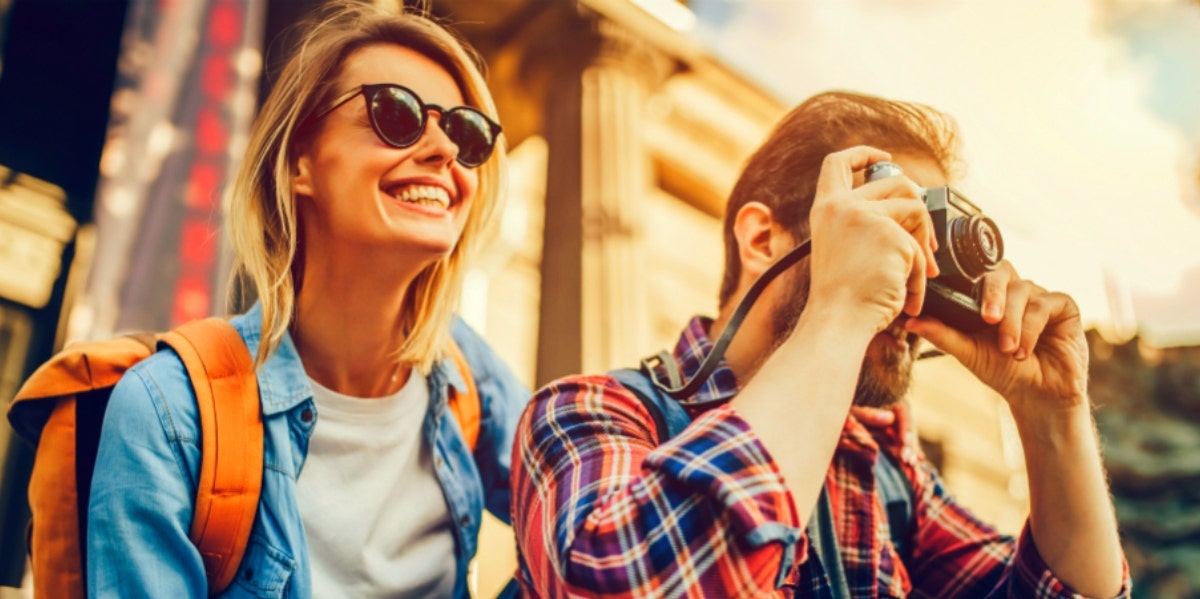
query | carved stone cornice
(621,49)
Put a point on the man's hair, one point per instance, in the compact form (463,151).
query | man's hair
(782,173)
(262,208)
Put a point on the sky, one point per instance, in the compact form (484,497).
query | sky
(1079,119)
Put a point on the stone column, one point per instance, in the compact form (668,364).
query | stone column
(593,314)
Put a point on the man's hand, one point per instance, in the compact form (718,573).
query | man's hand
(872,246)
(874,417)
(1036,357)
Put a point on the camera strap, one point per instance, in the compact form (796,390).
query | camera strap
(674,388)
(822,533)
(663,362)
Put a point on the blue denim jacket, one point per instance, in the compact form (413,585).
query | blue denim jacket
(149,462)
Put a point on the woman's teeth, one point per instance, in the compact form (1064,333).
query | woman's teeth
(426,195)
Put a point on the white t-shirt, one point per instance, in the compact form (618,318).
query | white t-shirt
(374,515)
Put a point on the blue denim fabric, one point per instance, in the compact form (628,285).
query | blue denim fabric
(149,463)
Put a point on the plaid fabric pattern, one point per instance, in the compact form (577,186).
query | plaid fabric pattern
(601,509)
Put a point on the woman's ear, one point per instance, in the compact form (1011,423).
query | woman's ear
(302,180)
(761,240)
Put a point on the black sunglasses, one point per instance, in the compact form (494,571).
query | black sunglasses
(398,117)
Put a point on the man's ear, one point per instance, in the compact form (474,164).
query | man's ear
(761,240)
(302,180)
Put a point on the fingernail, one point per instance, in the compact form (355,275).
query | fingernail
(1020,355)
(1007,343)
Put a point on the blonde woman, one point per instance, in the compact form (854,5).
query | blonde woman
(370,177)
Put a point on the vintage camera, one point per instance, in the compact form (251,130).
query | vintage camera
(969,246)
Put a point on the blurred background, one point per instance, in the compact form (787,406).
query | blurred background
(627,122)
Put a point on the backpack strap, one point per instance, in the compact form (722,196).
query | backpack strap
(822,534)
(465,406)
(231,464)
(895,491)
(669,417)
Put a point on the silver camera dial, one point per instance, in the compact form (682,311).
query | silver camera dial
(880,170)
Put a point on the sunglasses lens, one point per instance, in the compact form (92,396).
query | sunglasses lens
(398,115)
(472,133)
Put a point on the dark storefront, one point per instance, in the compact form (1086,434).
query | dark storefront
(59,66)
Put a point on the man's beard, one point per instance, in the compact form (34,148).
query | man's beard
(885,376)
(886,372)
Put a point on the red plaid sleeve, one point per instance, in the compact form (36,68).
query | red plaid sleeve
(599,510)
(956,555)
(1034,578)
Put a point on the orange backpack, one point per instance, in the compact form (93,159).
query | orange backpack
(60,409)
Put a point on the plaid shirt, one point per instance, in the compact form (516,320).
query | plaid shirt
(600,508)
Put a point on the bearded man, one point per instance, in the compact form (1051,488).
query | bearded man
(607,505)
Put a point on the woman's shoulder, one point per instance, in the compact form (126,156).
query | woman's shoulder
(164,372)
(465,336)
(156,390)
(491,373)
(477,351)
(159,373)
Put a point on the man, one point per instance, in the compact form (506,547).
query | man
(602,508)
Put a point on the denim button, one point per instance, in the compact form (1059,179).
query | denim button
(306,415)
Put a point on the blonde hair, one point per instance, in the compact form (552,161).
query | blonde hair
(262,209)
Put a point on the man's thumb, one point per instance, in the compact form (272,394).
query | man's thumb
(945,338)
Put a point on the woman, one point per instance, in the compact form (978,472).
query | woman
(370,176)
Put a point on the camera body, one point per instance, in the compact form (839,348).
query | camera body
(969,246)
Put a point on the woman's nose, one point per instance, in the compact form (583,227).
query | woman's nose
(435,147)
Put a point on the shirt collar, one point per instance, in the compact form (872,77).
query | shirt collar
(898,439)
(694,346)
(690,351)
(445,373)
(282,381)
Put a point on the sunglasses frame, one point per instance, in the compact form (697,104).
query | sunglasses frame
(368,91)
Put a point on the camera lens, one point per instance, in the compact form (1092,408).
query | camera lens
(977,244)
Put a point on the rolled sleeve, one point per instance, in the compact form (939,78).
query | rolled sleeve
(1033,577)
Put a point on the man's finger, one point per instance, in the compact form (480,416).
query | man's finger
(949,340)
(873,417)
(913,217)
(892,187)
(916,281)
(993,296)
(1041,307)
(1009,330)
(837,171)
(910,215)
